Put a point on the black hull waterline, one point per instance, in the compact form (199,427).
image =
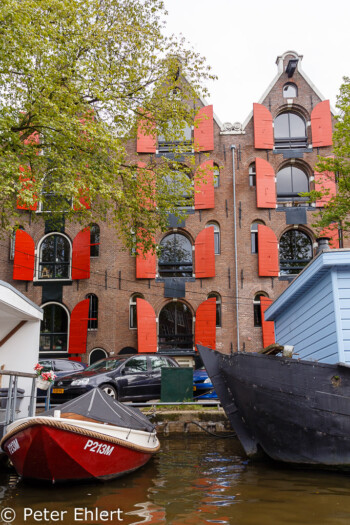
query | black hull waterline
(295,411)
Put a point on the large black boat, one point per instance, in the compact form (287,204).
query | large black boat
(293,410)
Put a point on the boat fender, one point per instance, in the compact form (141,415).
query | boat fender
(287,351)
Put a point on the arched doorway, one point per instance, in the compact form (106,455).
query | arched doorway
(175,328)
(54,330)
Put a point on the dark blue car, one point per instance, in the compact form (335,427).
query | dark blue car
(134,377)
(202,385)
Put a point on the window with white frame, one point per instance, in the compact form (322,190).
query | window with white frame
(252,175)
(13,242)
(290,90)
(216,236)
(133,310)
(254,239)
(93,311)
(257,308)
(94,240)
(290,131)
(54,257)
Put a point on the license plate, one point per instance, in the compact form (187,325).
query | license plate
(57,390)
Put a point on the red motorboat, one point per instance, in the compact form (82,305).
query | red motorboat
(90,437)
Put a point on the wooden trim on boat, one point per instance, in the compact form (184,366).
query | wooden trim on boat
(60,425)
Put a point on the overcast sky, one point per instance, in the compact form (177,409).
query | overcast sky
(242,39)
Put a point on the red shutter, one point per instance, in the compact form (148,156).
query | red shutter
(321,125)
(204,186)
(146,327)
(205,331)
(263,129)
(265,184)
(268,327)
(147,185)
(146,141)
(78,327)
(325,181)
(26,183)
(333,233)
(81,255)
(146,265)
(267,252)
(204,253)
(204,129)
(24,259)
(84,199)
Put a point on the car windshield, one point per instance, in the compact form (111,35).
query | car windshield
(105,364)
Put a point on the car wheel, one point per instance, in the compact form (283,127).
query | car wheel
(110,390)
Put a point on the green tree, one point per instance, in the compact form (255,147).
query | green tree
(338,208)
(76,79)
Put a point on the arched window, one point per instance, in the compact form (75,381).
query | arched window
(295,252)
(218,307)
(254,236)
(290,90)
(216,236)
(133,310)
(175,258)
(291,181)
(216,176)
(257,308)
(175,137)
(177,183)
(252,175)
(93,311)
(289,131)
(51,199)
(96,354)
(13,242)
(54,329)
(94,240)
(54,257)
(175,327)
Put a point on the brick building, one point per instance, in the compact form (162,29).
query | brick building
(248,232)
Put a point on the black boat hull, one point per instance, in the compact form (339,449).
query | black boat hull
(295,411)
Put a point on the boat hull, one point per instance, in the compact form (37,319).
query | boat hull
(294,411)
(49,453)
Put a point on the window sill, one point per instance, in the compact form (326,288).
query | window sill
(63,282)
(184,279)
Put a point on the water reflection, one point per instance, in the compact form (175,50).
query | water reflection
(193,481)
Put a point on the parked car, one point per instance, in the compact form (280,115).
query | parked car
(202,385)
(124,377)
(60,367)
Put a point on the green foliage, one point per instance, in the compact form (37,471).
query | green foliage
(338,207)
(75,74)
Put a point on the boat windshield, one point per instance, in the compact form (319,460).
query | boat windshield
(106,364)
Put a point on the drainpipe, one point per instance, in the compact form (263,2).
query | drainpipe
(233,147)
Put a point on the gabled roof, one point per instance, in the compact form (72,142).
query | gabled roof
(279,62)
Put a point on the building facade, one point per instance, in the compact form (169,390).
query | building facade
(247,234)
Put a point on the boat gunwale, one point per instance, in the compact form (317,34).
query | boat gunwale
(280,358)
(60,424)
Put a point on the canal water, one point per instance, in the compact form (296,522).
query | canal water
(194,480)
